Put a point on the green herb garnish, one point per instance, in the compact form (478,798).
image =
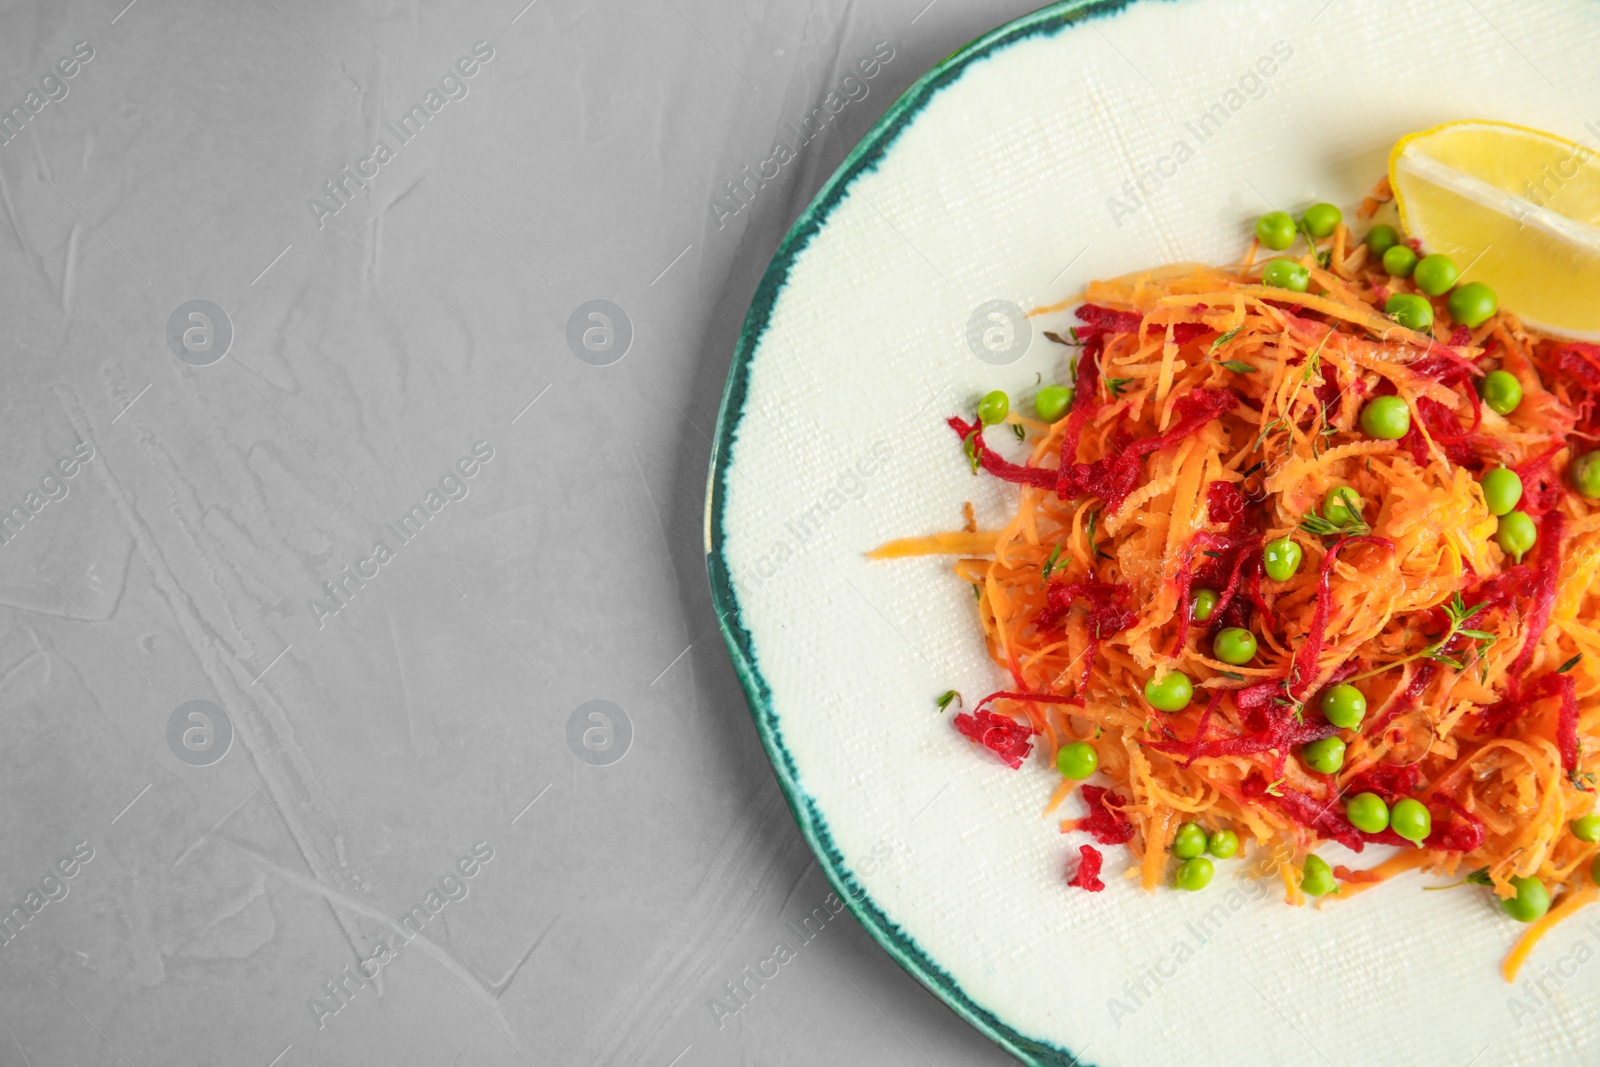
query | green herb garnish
(1314,359)
(1458,613)
(1318,526)
(1049,565)
(1477,877)
(1094,552)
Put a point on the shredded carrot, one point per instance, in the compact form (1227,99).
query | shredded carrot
(1063,791)
(1360,881)
(1574,899)
(955,543)
(1212,415)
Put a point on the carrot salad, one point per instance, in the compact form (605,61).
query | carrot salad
(1303,556)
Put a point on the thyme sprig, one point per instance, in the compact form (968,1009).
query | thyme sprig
(1459,614)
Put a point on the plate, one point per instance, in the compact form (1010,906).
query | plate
(1083,141)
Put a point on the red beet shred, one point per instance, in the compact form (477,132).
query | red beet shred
(1088,873)
(1001,734)
(1114,476)
(1104,823)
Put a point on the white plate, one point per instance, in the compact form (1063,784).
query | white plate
(1012,171)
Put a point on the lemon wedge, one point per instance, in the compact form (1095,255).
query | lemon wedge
(1516,208)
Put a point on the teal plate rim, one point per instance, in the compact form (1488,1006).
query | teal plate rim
(1047,21)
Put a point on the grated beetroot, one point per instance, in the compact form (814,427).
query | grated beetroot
(1190,750)
(1225,505)
(1112,477)
(994,462)
(1446,366)
(1230,611)
(1453,441)
(1580,364)
(1567,720)
(1442,422)
(1099,320)
(1464,832)
(1387,781)
(1406,699)
(1552,684)
(1304,670)
(1258,696)
(1541,489)
(1109,612)
(1222,545)
(1001,734)
(1319,815)
(1104,823)
(1271,725)
(1502,590)
(1546,585)
(1088,873)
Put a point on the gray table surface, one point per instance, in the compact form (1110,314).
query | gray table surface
(194,493)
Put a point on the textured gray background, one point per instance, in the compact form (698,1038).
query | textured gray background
(374,748)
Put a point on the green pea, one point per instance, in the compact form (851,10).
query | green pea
(1594,871)
(1516,534)
(1411,819)
(1473,304)
(1193,875)
(1052,402)
(1077,760)
(1344,705)
(1586,475)
(1275,229)
(1189,841)
(1381,238)
(1321,219)
(1410,310)
(1286,274)
(1502,488)
(1325,756)
(1501,391)
(1530,903)
(1316,877)
(1386,417)
(1170,692)
(1368,812)
(1342,504)
(1436,274)
(993,408)
(1223,844)
(1203,604)
(1235,646)
(1586,828)
(1281,558)
(1400,261)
